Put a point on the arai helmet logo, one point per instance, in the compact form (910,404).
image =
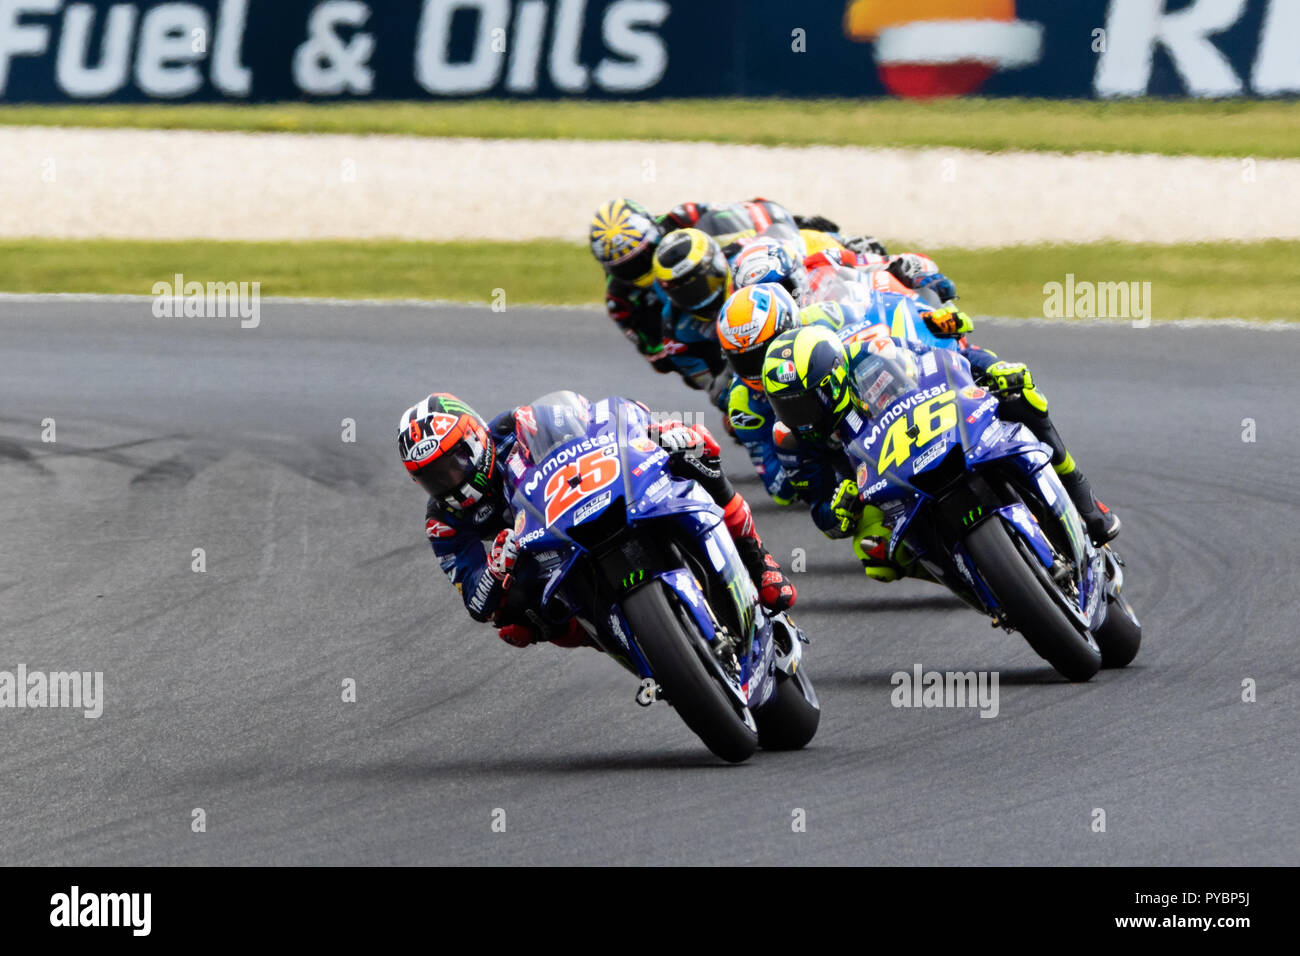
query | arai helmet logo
(424,449)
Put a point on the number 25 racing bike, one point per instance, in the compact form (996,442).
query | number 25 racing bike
(972,501)
(606,533)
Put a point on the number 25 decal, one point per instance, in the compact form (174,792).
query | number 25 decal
(931,418)
(579,479)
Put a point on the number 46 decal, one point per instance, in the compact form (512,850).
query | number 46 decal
(931,419)
(580,479)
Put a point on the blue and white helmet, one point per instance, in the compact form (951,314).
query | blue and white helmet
(769,260)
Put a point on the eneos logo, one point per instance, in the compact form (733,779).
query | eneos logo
(929,48)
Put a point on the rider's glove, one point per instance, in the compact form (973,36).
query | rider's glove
(938,283)
(1006,378)
(949,322)
(818,223)
(660,359)
(846,507)
(865,245)
(501,560)
(1011,380)
(675,438)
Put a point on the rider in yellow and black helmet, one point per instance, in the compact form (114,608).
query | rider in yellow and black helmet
(692,272)
(806,377)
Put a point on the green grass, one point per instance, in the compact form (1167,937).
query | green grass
(544,271)
(1212,280)
(1257,128)
(1248,280)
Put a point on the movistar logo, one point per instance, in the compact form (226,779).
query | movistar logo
(899,408)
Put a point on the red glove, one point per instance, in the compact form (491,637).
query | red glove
(675,437)
(501,560)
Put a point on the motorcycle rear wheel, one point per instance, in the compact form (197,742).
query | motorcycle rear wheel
(790,719)
(1120,636)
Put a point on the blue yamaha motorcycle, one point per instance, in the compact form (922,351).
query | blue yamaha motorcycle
(643,560)
(972,502)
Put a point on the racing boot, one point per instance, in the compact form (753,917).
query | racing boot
(871,545)
(569,634)
(1102,523)
(1020,401)
(775,592)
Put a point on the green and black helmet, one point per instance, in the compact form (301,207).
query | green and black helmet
(806,377)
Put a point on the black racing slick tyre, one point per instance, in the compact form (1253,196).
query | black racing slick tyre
(1030,608)
(789,720)
(1120,635)
(673,653)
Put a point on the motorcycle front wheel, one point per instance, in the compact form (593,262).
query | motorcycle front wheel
(1022,592)
(672,646)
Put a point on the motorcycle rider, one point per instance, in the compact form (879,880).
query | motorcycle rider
(623,237)
(468,468)
(914,271)
(911,272)
(750,318)
(694,278)
(769,259)
(807,375)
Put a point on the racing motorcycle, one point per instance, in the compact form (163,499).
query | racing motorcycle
(642,559)
(881,300)
(974,505)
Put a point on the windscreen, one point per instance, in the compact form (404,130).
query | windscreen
(551,421)
(835,284)
(880,381)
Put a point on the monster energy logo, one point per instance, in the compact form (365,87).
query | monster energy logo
(457,407)
(633,579)
(973,515)
(736,588)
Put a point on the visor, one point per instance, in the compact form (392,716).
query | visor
(446,473)
(749,365)
(803,412)
(636,267)
(696,291)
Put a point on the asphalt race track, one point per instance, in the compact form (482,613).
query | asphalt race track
(223,688)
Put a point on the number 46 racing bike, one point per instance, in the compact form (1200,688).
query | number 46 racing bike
(973,505)
(642,559)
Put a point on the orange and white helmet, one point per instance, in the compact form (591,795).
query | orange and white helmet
(750,318)
(447,451)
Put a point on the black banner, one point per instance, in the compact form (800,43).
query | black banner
(127,906)
(270,50)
